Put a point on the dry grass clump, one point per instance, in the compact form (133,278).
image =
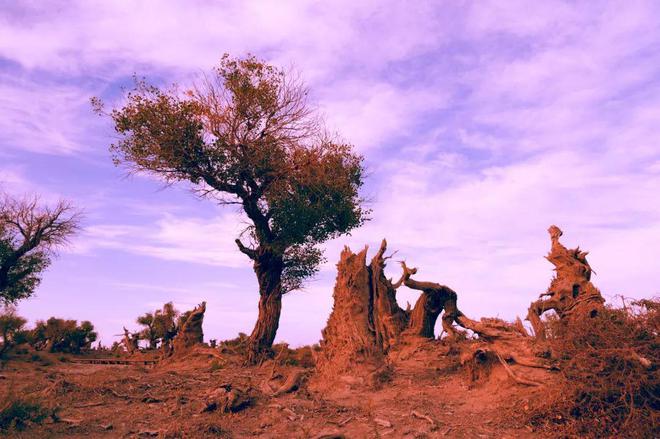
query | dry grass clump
(610,365)
(237,346)
(18,413)
(303,357)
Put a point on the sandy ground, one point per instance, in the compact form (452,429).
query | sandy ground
(427,397)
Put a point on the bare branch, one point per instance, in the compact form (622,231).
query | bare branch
(251,253)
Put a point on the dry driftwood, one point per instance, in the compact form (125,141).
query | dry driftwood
(290,384)
(383,422)
(227,399)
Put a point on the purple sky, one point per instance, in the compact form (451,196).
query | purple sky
(482,123)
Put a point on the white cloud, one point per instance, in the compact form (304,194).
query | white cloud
(194,240)
(43,117)
(498,119)
(485,235)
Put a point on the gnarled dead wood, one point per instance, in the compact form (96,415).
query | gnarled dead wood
(190,333)
(513,376)
(434,299)
(290,384)
(571,292)
(389,320)
(349,340)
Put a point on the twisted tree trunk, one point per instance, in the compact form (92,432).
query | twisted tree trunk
(389,320)
(268,267)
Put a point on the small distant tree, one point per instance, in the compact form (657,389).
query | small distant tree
(11,325)
(60,335)
(82,337)
(148,333)
(165,324)
(247,136)
(30,235)
(160,325)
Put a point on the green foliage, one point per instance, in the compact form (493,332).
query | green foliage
(160,326)
(11,326)
(16,413)
(147,320)
(29,236)
(60,335)
(248,136)
(24,276)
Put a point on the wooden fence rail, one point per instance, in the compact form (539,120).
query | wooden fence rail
(112,361)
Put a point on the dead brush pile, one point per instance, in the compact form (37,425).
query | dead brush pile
(610,365)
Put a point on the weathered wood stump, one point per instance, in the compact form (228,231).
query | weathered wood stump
(366,321)
(349,341)
(190,332)
(571,293)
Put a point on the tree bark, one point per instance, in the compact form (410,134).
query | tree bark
(268,267)
(388,318)
(349,343)
(434,299)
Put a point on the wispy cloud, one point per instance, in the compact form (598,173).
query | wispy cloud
(482,124)
(192,240)
(42,116)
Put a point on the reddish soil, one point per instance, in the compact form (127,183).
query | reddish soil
(428,396)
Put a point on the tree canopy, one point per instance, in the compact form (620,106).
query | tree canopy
(160,325)
(30,235)
(246,135)
(61,335)
(10,324)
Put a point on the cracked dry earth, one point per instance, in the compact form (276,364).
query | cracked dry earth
(428,396)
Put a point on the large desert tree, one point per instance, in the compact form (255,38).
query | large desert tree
(247,135)
(30,235)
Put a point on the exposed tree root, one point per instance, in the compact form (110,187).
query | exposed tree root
(513,376)
(290,384)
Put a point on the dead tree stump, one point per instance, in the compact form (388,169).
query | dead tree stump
(349,340)
(190,333)
(366,323)
(130,341)
(389,320)
(571,293)
(366,320)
